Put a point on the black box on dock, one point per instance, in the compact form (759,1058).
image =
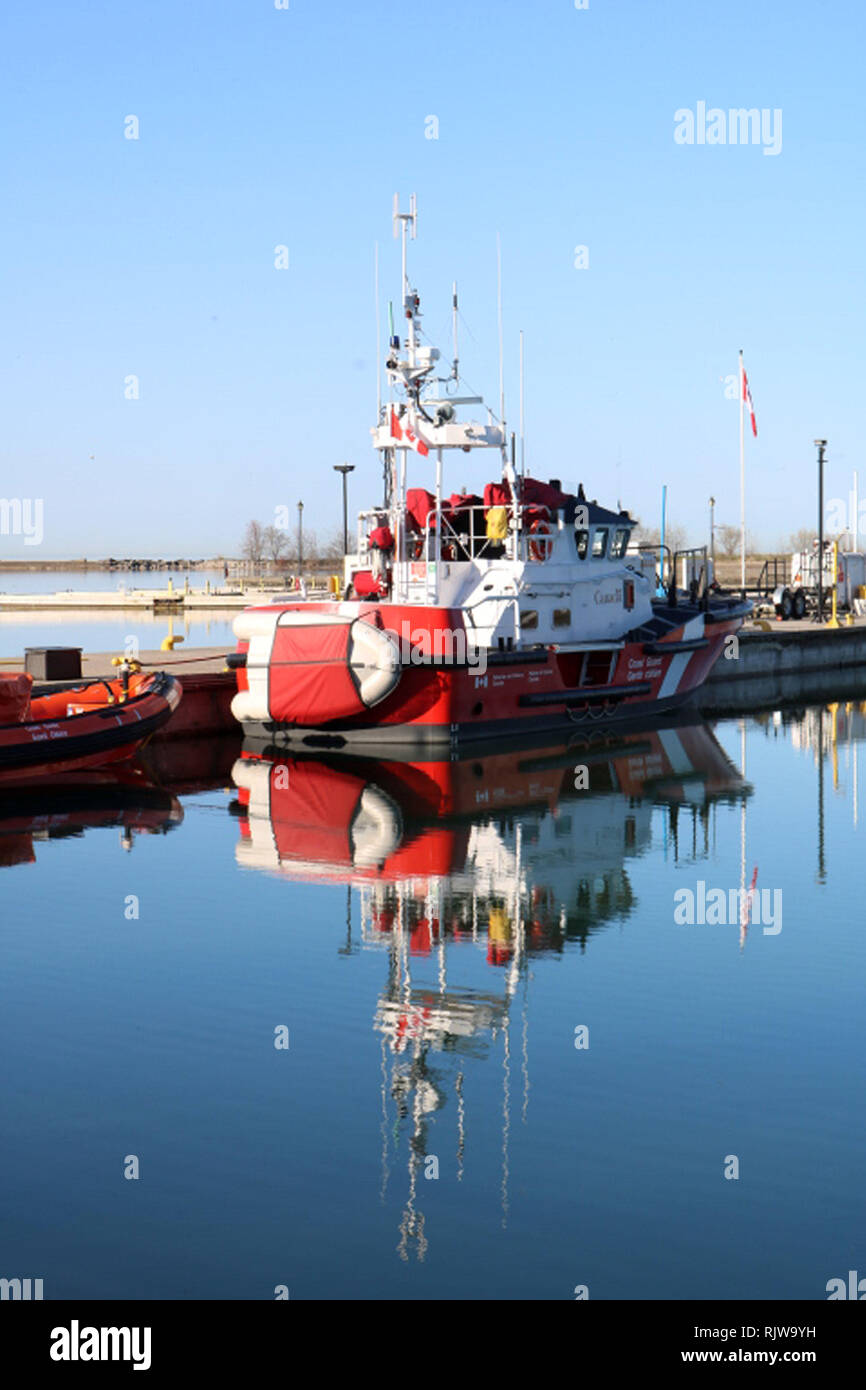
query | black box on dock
(53,663)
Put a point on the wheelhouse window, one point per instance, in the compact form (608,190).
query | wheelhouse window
(529,618)
(599,542)
(581,540)
(619,544)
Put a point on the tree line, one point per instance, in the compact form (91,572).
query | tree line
(274,546)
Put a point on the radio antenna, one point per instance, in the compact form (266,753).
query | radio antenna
(378,334)
(501,356)
(454,372)
(522,421)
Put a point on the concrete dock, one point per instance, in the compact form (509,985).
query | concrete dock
(787,663)
(176,599)
(776,665)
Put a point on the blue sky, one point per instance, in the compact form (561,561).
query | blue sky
(259,127)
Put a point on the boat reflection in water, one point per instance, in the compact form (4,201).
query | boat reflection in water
(136,798)
(513,853)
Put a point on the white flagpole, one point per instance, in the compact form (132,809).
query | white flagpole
(742,479)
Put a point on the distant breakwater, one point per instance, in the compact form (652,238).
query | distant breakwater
(132,566)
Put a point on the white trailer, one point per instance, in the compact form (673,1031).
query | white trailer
(850,573)
(792,600)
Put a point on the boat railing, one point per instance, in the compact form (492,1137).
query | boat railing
(457,543)
(458,535)
(695,577)
(663,556)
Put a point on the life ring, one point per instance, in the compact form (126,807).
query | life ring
(540,540)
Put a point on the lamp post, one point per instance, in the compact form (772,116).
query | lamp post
(300,537)
(713,535)
(821,445)
(345,469)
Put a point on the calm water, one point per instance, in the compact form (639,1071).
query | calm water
(109,632)
(97,631)
(434,940)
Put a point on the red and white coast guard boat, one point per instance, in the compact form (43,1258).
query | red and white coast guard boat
(468,616)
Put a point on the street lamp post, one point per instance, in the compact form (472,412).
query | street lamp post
(345,469)
(300,538)
(713,535)
(821,445)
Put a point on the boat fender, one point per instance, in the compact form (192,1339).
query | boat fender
(374,660)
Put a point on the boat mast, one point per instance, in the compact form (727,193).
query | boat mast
(522,419)
(429,425)
(454,372)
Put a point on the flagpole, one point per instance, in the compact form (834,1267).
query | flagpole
(742,479)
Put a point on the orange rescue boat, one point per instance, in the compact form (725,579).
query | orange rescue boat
(79,727)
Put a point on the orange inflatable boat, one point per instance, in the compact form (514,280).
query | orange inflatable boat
(79,727)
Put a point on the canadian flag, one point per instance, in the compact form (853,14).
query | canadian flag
(414,440)
(747,397)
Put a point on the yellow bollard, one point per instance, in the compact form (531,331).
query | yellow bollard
(169,642)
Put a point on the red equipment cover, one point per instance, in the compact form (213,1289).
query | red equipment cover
(496,495)
(365,583)
(419,504)
(544,495)
(15,698)
(381,538)
(458,501)
(310,679)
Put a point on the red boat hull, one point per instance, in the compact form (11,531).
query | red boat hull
(76,729)
(442,701)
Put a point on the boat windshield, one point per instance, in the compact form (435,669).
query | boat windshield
(599,543)
(581,540)
(619,544)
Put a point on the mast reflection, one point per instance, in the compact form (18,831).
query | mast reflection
(487,861)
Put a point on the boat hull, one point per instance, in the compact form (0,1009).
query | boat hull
(76,729)
(442,701)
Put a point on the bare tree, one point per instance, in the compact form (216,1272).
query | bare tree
(311,547)
(275,543)
(728,541)
(675,536)
(331,551)
(802,539)
(253,545)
